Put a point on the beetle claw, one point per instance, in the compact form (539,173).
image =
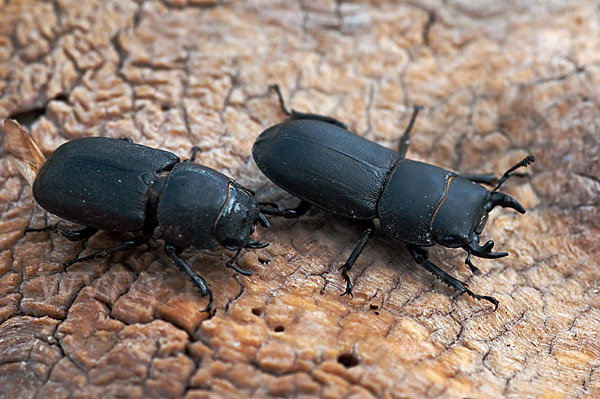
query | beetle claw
(505,201)
(484,251)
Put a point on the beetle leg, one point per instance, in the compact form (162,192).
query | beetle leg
(123,246)
(286,213)
(405,140)
(301,115)
(420,256)
(256,245)
(367,234)
(195,151)
(197,280)
(263,220)
(71,235)
(231,264)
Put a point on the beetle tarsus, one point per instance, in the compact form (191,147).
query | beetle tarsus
(420,256)
(366,236)
(196,279)
(123,246)
(71,235)
(345,276)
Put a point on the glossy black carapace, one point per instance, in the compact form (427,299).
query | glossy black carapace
(317,159)
(116,185)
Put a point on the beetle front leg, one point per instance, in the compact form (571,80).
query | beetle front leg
(197,280)
(232,264)
(71,235)
(420,256)
(367,234)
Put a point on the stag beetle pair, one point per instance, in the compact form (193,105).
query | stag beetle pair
(116,185)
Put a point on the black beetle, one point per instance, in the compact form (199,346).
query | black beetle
(116,185)
(317,159)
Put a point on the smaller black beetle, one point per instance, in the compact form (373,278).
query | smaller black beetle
(116,185)
(317,159)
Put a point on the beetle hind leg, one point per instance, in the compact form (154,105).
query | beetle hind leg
(301,115)
(71,235)
(196,279)
(405,140)
(420,256)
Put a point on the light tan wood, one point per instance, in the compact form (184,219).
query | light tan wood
(497,80)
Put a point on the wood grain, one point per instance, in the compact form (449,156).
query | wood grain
(497,80)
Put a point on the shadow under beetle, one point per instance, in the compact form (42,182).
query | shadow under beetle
(116,185)
(317,159)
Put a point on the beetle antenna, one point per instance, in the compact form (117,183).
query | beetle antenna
(275,88)
(528,160)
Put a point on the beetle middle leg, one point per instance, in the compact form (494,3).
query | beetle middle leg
(71,235)
(173,253)
(293,114)
(273,210)
(123,246)
(420,256)
(366,236)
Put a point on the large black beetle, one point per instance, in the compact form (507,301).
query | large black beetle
(317,159)
(116,185)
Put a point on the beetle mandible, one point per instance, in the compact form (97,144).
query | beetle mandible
(117,185)
(317,159)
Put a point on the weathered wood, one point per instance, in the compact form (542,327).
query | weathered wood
(498,80)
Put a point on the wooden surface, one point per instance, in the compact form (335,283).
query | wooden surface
(498,80)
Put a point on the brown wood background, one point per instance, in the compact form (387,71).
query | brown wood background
(498,79)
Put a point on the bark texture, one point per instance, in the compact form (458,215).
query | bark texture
(498,80)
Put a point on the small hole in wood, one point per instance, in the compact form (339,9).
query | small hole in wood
(348,360)
(257,311)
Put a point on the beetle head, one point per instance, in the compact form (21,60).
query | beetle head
(238,219)
(462,214)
